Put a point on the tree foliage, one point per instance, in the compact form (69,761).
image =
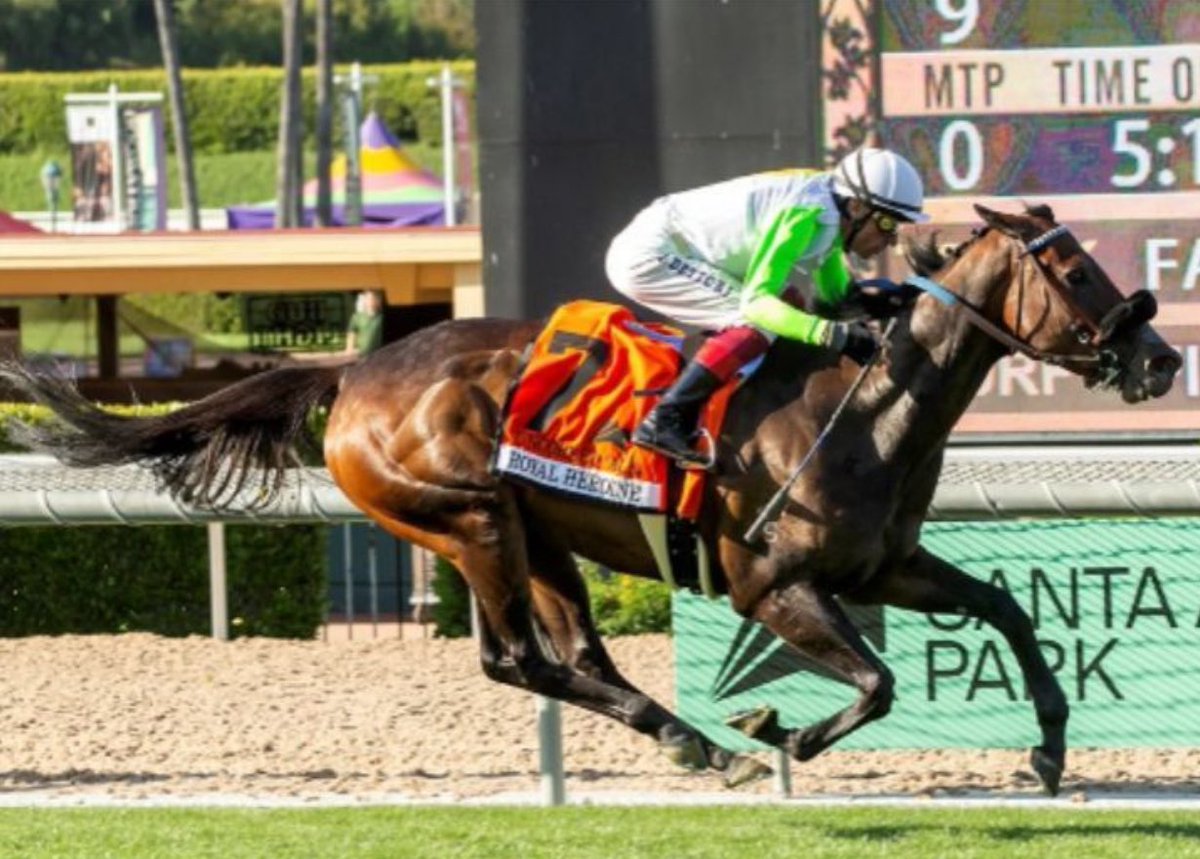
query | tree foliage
(70,35)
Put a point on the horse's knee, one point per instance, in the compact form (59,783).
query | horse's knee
(879,693)
(1007,615)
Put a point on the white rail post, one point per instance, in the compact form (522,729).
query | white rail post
(446,82)
(550,757)
(783,773)
(217,582)
(448,143)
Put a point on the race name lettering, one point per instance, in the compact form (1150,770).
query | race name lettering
(624,492)
(1041,80)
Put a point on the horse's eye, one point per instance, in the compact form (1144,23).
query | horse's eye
(1077,277)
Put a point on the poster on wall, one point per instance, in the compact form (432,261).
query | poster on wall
(146,179)
(91,134)
(118,161)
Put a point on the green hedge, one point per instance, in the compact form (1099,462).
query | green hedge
(229,110)
(33,415)
(624,605)
(452,611)
(97,579)
(100,579)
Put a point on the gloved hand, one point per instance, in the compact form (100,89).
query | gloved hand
(854,340)
(881,298)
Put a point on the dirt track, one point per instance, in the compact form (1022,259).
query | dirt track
(139,716)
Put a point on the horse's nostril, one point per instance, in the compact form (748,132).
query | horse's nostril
(1166,364)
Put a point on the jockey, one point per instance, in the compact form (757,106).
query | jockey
(720,258)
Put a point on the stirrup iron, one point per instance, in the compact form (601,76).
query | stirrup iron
(705,443)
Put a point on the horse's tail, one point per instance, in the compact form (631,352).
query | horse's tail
(204,453)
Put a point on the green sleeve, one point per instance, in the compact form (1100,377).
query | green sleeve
(784,241)
(832,281)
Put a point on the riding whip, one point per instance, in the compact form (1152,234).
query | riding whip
(771,511)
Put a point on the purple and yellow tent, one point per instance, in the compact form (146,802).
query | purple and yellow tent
(396,191)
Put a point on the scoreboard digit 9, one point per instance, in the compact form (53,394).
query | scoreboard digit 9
(1090,106)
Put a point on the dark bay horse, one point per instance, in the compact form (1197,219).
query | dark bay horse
(411,431)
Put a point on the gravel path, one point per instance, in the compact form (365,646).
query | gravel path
(140,716)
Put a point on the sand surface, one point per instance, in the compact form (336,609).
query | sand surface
(138,716)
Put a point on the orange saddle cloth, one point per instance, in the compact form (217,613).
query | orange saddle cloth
(590,378)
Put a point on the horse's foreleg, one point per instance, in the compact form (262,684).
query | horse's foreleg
(815,624)
(562,606)
(926,583)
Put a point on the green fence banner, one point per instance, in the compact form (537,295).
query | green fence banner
(1116,606)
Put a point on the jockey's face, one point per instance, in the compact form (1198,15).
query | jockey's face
(875,236)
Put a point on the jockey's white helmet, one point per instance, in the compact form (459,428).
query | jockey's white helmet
(884,180)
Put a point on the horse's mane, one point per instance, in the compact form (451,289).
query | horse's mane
(927,258)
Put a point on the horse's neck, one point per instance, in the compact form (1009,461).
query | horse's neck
(936,364)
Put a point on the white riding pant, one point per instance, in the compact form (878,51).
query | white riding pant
(650,263)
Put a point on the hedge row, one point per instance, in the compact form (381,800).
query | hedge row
(94,579)
(101,579)
(229,110)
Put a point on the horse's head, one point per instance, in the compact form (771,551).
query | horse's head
(1063,306)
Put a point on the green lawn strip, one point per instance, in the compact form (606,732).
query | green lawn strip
(228,179)
(602,833)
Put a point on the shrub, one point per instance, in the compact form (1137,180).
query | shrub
(625,605)
(452,612)
(229,110)
(98,579)
(109,579)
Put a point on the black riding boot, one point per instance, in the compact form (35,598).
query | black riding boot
(670,426)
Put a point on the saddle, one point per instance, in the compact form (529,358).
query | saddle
(590,377)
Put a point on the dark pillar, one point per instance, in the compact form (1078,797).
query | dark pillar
(589,109)
(107,349)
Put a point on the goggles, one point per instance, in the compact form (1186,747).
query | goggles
(885,222)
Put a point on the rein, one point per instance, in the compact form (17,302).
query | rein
(771,511)
(1031,250)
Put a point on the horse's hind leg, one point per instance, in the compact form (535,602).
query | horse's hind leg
(926,583)
(492,557)
(562,607)
(815,624)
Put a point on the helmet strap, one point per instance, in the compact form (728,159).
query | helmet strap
(856,224)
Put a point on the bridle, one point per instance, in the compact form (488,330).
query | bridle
(1103,364)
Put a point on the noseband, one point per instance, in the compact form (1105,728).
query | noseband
(1104,361)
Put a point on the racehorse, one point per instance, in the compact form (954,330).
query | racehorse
(412,428)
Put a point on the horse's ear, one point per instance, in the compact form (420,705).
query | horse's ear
(1010,225)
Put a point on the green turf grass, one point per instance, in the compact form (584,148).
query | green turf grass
(599,833)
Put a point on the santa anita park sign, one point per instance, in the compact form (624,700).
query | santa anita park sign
(1116,607)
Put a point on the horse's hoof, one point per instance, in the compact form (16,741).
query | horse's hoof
(804,744)
(753,722)
(1049,771)
(720,759)
(744,770)
(687,752)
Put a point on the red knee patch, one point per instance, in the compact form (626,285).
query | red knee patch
(726,351)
